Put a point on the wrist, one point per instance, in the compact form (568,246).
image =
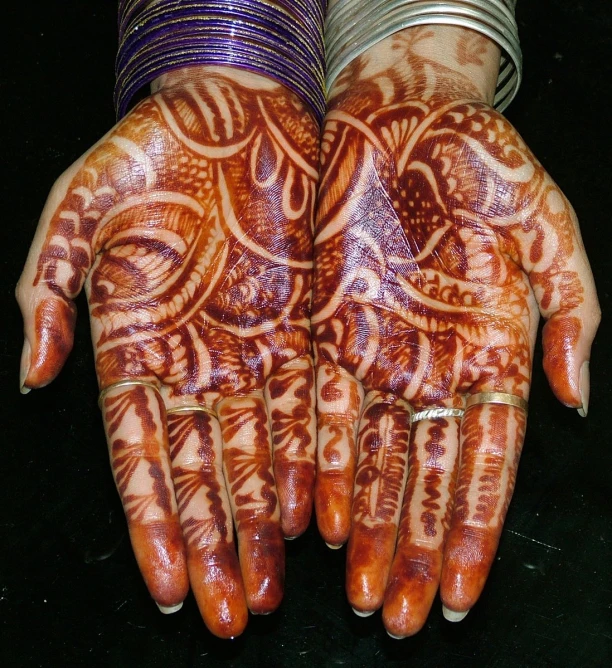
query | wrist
(433,61)
(193,74)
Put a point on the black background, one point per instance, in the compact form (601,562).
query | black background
(70,592)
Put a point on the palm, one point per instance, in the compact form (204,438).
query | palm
(430,257)
(191,222)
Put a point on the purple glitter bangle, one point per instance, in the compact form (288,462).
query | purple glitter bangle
(281,39)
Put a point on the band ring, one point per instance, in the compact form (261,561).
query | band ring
(125,383)
(194,408)
(496,398)
(435,413)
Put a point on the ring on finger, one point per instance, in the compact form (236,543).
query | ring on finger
(193,408)
(125,383)
(496,398)
(435,413)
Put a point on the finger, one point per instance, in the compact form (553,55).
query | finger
(491,441)
(384,433)
(563,285)
(55,270)
(138,443)
(290,400)
(415,573)
(339,401)
(247,464)
(206,519)
(79,205)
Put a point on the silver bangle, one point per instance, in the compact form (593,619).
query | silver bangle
(352,27)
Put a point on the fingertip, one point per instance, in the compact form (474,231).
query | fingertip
(565,350)
(54,321)
(217,585)
(333,498)
(261,551)
(468,557)
(413,583)
(161,558)
(295,485)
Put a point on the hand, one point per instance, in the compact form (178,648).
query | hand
(439,237)
(190,224)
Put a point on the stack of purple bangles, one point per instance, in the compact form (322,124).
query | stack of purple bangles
(282,39)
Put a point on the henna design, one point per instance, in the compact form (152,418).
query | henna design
(247,460)
(438,236)
(426,516)
(138,445)
(191,224)
(379,484)
(290,400)
(471,47)
(206,521)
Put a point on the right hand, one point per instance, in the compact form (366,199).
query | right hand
(190,225)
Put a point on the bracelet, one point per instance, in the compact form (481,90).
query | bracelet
(353,26)
(281,39)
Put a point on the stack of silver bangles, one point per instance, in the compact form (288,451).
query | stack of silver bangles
(353,26)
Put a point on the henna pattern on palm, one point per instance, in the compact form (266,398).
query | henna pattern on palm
(191,225)
(438,236)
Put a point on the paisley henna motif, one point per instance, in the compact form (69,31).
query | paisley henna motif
(191,223)
(438,236)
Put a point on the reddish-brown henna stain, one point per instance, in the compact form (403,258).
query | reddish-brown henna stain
(471,47)
(383,446)
(192,223)
(436,227)
(55,319)
(212,561)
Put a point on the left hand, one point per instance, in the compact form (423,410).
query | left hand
(439,237)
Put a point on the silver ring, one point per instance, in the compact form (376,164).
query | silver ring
(435,413)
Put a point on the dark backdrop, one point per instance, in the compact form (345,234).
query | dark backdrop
(70,592)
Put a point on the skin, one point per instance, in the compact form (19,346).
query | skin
(190,226)
(440,240)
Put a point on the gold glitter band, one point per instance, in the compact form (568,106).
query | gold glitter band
(496,398)
(125,383)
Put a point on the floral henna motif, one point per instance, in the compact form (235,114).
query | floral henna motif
(438,237)
(191,224)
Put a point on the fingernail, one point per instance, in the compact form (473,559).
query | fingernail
(169,609)
(333,547)
(290,537)
(395,637)
(585,389)
(24,367)
(360,613)
(452,616)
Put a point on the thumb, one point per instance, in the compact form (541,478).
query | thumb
(565,290)
(58,262)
